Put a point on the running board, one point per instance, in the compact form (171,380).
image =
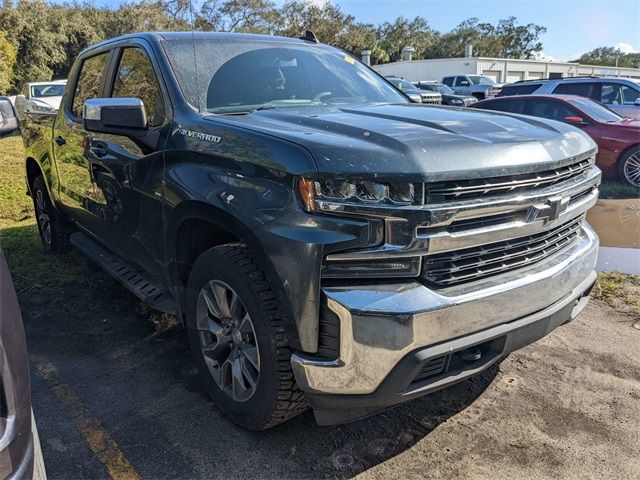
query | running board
(154,296)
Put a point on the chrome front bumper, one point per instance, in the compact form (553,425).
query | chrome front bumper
(379,325)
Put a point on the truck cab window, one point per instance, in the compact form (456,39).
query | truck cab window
(89,82)
(135,78)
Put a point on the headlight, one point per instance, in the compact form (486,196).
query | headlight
(457,101)
(330,195)
(41,108)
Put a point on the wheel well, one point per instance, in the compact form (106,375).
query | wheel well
(624,152)
(195,236)
(33,171)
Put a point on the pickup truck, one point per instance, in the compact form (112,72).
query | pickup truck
(478,86)
(326,242)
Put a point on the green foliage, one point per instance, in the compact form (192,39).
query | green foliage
(610,56)
(47,37)
(7,61)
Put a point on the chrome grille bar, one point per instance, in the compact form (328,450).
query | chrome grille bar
(461,266)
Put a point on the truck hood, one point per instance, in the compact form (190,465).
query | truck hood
(418,142)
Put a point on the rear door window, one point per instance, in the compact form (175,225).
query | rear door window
(583,89)
(135,77)
(518,89)
(462,82)
(448,81)
(550,109)
(89,82)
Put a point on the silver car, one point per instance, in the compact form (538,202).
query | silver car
(619,94)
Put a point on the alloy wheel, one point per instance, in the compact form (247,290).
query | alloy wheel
(42,217)
(631,169)
(228,340)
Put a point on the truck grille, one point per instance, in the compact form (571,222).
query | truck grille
(505,185)
(454,268)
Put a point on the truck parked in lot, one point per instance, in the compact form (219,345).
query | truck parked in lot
(477,86)
(326,241)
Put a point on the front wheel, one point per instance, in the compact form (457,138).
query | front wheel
(629,167)
(237,340)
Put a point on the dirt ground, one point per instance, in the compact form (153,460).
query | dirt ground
(115,395)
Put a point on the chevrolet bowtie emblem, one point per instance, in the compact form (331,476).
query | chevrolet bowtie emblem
(549,211)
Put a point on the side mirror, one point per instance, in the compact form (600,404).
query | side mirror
(8,118)
(575,120)
(637,102)
(116,116)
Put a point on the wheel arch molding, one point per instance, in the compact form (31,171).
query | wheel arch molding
(195,227)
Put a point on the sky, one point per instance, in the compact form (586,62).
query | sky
(573,26)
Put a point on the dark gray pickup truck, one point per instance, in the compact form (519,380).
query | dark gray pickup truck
(326,241)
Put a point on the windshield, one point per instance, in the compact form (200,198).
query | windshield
(445,90)
(481,80)
(596,110)
(404,85)
(52,90)
(242,76)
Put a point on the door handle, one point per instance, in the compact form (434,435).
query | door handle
(60,141)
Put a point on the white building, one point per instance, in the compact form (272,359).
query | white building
(502,70)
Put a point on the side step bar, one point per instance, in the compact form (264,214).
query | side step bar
(154,296)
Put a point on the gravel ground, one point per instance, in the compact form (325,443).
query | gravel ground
(116,396)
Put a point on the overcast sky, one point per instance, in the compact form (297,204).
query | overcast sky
(573,26)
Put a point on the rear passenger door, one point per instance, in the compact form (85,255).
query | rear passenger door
(71,143)
(128,170)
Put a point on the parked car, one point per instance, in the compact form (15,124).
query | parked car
(619,94)
(40,98)
(449,97)
(407,88)
(8,118)
(20,451)
(478,86)
(618,137)
(326,242)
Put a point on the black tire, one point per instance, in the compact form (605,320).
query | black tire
(276,396)
(629,167)
(54,233)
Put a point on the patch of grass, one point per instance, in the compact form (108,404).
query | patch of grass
(618,190)
(620,291)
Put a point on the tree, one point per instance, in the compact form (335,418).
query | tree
(7,61)
(610,56)
(394,36)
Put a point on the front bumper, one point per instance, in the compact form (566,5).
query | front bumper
(389,332)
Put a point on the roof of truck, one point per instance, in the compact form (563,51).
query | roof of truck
(218,36)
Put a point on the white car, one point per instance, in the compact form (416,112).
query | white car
(40,97)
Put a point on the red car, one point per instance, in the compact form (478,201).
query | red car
(618,137)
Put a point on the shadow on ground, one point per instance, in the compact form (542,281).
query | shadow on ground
(139,382)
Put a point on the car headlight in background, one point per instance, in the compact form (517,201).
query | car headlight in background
(457,101)
(329,195)
(41,108)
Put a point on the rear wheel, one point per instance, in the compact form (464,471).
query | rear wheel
(53,232)
(236,337)
(629,167)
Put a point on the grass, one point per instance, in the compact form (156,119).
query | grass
(618,191)
(620,291)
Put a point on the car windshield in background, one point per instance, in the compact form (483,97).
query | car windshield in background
(244,76)
(481,80)
(54,90)
(445,90)
(596,110)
